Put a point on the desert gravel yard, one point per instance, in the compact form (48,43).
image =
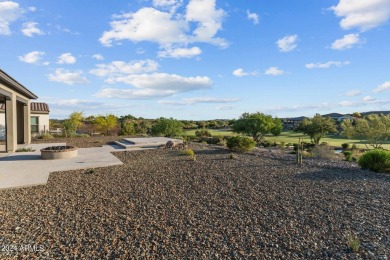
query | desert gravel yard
(162,205)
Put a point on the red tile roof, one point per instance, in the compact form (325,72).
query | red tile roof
(35,107)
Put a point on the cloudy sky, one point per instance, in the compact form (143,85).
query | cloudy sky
(199,59)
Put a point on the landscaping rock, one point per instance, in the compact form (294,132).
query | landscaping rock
(158,204)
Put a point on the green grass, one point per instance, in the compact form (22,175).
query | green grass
(331,139)
(292,137)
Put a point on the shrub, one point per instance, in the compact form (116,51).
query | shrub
(265,143)
(45,136)
(354,147)
(345,146)
(203,133)
(82,135)
(240,143)
(375,160)
(348,156)
(25,149)
(353,242)
(188,152)
(323,152)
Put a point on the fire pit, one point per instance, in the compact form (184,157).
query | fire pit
(58,152)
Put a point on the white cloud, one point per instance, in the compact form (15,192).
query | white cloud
(98,57)
(364,15)
(32,9)
(287,43)
(170,5)
(383,87)
(32,57)
(368,99)
(122,69)
(353,93)
(66,58)
(326,65)
(346,103)
(347,42)
(68,77)
(209,21)
(180,53)
(241,73)
(30,28)
(274,71)
(253,17)
(192,101)
(168,28)
(147,24)
(71,103)
(9,12)
(154,85)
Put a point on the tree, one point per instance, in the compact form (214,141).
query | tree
(106,123)
(373,128)
(257,125)
(317,127)
(168,127)
(74,121)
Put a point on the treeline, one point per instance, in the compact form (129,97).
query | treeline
(78,124)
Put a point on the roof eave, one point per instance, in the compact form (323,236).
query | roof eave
(16,85)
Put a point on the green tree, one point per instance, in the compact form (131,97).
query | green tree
(168,127)
(257,125)
(317,127)
(375,129)
(106,123)
(71,124)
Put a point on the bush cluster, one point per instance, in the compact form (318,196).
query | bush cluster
(323,152)
(377,160)
(240,143)
(203,133)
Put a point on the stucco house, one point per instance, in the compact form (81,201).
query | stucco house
(16,101)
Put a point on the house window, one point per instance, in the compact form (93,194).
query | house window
(34,124)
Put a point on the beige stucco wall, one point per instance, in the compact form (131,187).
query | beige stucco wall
(11,118)
(43,121)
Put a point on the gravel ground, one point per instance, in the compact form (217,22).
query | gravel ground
(162,205)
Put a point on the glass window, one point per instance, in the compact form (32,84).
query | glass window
(34,124)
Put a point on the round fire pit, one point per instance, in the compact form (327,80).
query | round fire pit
(58,152)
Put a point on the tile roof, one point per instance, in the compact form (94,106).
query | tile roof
(39,107)
(35,107)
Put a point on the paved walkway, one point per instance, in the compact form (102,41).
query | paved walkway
(28,169)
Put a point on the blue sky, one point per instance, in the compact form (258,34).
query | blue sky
(200,59)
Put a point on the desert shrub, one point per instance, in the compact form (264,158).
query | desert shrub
(265,143)
(82,135)
(348,156)
(354,147)
(345,146)
(353,242)
(221,141)
(324,144)
(202,133)
(25,149)
(231,156)
(45,136)
(188,152)
(323,152)
(240,143)
(375,160)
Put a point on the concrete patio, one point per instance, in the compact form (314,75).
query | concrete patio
(23,169)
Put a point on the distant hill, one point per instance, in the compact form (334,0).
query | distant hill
(375,112)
